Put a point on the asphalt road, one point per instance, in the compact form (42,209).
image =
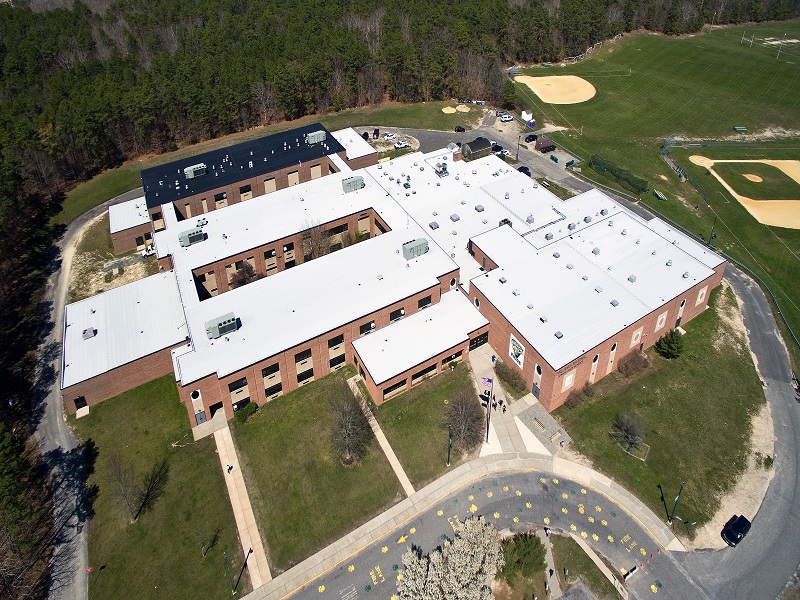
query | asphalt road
(57,443)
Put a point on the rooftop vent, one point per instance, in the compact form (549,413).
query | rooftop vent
(556,255)
(515,292)
(585,277)
(415,248)
(559,335)
(503,280)
(479,208)
(529,219)
(197,170)
(632,278)
(686,274)
(454,217)
(218,327)
(433,225)
(530,306)
(543,318)
(653,253)
(351,184)
(624,232)
(570,266)
(615,302)
(548,236)
(193,236)
(587,219)
(610,223)
(669,263)
(507,196)
(89,333)
(596,251)
(598,289)
(604,212)
(571,226)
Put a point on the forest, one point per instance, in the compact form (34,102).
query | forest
(86,85)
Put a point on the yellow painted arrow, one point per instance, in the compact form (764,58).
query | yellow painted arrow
(402,539)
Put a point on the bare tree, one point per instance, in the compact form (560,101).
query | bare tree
(316,241)
(246,274)
(125,488)
(351,430)
(465,418)
(264,95)
(138,499)
(628,431)
(152,487)
(207,542)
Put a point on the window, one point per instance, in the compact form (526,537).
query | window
(336,341)
(244,189)
(478,341)
(157,216)
(221,196)
(237,385)
(294,178)
(477,303)
(273,389)
(337,360)
(289,247)
(423,302)
(301,356)
(452,283)
(339,229)
(289,264)
(270,370)
(396,314)
(240,404)
(366,327)
(80,402)
(393,388)
(305,376)
(380,226)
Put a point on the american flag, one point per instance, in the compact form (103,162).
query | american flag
(486,381)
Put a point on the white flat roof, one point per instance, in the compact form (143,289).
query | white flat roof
(299,304)
(131,322)
(406,343)
(571,280)
(128,214)
(354,145)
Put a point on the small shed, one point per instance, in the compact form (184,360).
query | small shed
(477,148)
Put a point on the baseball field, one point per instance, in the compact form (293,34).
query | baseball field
(695,90)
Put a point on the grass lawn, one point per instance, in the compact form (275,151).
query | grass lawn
(558,190)
(521,588)
(159,556)
(775,184)
(696,410)
(97,190)
(414,424)
(567,554)
(303,498)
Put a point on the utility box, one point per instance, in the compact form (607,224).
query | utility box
(441,169)
(315,137)
(218,327)
(193,236)
(351,184)
(415,248)
(197,170)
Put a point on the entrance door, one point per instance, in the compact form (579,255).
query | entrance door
(680,313)
(214,408)
(200,417)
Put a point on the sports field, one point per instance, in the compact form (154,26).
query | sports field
(696,89)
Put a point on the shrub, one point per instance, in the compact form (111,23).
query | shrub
(670,345)
(510,378)
(247,411)
(524,554)
(588,390)
(633,363)
(574,400)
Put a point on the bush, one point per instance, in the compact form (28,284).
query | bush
(574,400)
(670,345)
(247,411)
(108,277)
(633,363)
(510,378)
(524,555)
(588,390)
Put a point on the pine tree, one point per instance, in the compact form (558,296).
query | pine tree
(671,344)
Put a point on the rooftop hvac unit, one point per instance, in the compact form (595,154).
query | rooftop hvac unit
(479,208)
(415,248)
(187,238)
(89,333)
(441,169)
(197,170)
(548,236)
(559,335)
(351,184)
(454,217)
(615,302)
(218,327)
(571,226)
(529,219)
(570,266)
(556,255)
(596,251)
(503,280)
(632,278)
(505,222)
(315,137)
(433,225)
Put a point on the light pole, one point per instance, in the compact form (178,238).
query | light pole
(674,506)
(489,408)
(449,443)
(519,140)
(249,552)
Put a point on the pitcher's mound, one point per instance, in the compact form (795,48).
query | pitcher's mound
(462,108)
(753,178)
(559,89)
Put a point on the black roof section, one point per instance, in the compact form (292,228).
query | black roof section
(479,144)
(168,183)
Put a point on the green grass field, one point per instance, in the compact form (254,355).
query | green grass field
(303,498)
(696,411)
(567,554)
(159,555)
(414,424)
(774,184)
(652,86)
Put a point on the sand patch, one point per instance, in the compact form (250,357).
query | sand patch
(777,212)
(448,110)
(753,178)
(462,108)
(559,89)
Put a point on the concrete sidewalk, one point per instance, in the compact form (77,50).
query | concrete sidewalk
(257,565)
(296,577)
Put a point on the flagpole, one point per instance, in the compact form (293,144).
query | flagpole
(489,409)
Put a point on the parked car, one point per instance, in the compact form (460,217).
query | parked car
(388,137)
(506,118)
(525,170)
(499,113)
(399,144)
(496,147)
(459,129)
(735,530)
(375,133)
(531,138)
(503,153)
(365,135)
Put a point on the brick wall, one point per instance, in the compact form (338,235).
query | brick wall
(125,240)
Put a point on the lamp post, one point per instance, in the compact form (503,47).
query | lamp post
(674,506)
(449,443)
(489,408)
(519,141)
(249,552)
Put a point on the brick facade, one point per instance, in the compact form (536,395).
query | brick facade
(126,240)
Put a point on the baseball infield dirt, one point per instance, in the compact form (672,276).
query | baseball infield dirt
(559,89)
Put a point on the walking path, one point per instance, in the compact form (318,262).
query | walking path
(384,443)
(257,565)
(552,581)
